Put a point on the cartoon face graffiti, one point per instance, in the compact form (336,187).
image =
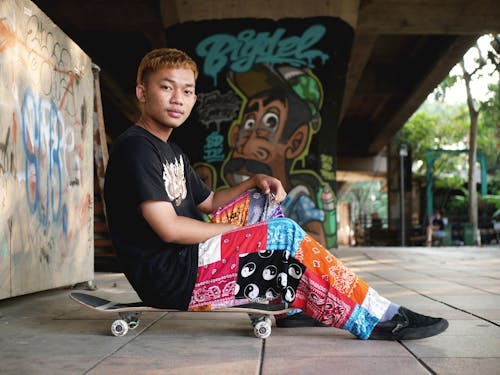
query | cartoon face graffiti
(272,135)
(257,141)
(276,122)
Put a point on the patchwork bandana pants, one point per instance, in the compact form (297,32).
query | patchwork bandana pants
(272,258)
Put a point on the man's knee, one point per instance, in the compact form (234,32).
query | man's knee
(286,229)
(286,222)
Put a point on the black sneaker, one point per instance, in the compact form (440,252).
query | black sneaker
(408,325)
(299,319)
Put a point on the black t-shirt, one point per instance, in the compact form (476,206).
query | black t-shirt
(142,167)
(438,223)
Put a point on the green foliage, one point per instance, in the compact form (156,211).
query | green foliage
(443,87)
(489,130)
(366,197)
(457,206)
(438,126)
(493,201)
(494,184)
(453,182)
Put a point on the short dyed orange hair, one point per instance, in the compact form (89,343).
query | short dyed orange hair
(164,58)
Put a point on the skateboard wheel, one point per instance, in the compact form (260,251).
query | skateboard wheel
(262,329)
(119,328)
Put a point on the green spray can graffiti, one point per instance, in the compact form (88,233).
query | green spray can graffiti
(326,202)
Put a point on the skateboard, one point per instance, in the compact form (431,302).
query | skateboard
(129,313)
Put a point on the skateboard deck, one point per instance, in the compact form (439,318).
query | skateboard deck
(129,313)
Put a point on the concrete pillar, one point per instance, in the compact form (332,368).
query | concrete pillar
(399,193)
(270,88)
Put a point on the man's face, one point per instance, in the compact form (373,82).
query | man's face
(168,96)
(256,148)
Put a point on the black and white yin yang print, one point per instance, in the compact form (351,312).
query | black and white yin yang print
(267,275)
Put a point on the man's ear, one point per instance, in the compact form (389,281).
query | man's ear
(140,93)
(297,142)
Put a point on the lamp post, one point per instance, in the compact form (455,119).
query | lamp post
(403,152)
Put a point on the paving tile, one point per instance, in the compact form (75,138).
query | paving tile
(473,301)
(47,333)
(456,346)
(464,366)
(162,365)
(322,342)
(54,347)
(189,346)
(341,365)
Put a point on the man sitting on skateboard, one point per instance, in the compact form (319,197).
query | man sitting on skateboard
(249,252)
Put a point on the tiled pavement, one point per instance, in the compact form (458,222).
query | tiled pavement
(47,333)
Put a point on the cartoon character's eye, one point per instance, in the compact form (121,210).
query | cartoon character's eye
(270,121)
(249,124)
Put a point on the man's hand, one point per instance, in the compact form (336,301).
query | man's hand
(270,185)
(266,184)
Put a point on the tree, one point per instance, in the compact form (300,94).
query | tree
(436,125)
(472,125)
(473,115)
(474,108)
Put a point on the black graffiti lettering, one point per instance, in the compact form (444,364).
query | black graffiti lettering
(6,156)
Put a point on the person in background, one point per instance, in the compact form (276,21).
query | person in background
(435,229)
(376,222)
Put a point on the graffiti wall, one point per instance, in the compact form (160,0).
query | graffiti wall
(269,95)
(46,179)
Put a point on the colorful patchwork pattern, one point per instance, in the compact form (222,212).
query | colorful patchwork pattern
(323,302)
(249,208)
(216,285)
(284,234)
(245,240)
(235,212)
(274,258)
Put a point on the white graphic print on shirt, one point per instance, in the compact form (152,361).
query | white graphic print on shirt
(175,181)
